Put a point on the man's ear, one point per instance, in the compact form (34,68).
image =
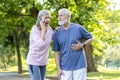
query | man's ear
(68,17)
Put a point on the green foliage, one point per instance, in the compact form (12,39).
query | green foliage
(112,56)
(7,56)
(15,16)
(51,67)
(20,15)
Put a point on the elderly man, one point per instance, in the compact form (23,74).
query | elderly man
(68,48)
(40,38)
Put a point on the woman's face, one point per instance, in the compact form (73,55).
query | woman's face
(46,19)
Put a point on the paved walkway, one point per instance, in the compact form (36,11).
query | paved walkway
(15,76)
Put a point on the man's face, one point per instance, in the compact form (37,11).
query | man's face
(46,19)
(62,18)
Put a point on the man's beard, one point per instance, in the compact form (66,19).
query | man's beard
(62,22)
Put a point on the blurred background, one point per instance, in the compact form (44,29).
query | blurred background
(100,17)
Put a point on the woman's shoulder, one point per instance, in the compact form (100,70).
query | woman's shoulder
(34,27)
(51,30)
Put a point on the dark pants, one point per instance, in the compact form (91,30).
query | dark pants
(37,72)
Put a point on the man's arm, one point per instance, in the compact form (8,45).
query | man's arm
(79,45)
(87,42)
(57,61)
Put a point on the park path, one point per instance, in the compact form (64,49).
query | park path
(15,76)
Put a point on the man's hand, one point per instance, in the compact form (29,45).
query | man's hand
(59,73)
(77,46)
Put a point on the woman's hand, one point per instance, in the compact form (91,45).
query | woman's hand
(43,30)
(57,28)
(43,27)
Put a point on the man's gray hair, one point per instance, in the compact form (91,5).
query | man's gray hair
(42,13)
(65,11)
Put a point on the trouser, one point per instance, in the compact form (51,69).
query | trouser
(37,72)
(79,74)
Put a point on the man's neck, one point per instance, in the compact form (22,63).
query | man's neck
(66,25)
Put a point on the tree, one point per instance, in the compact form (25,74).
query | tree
(17,17)
(13,14)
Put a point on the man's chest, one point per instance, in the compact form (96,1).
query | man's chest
(68,37)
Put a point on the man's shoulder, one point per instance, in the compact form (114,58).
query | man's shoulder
(76,26)
(56,31)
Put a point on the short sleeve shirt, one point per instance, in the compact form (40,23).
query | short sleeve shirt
(62,41)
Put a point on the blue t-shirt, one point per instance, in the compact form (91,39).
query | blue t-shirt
(62,40)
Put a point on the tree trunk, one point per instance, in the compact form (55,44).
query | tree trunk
(18,51)
(4,63)
(90,62)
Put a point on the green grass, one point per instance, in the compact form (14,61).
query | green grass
(105,74)
(110,75)
(102,74)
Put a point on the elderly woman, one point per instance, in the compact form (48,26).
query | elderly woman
(40,38)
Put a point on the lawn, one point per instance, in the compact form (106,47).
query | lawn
(102,74)
(105,74)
